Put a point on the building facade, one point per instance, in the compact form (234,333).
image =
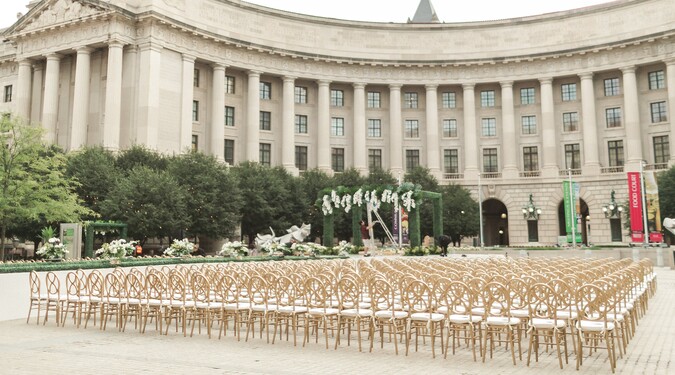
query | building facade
(514,106)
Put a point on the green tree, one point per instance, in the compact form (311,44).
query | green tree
(151,202)
(212,194)
(311,183)
(422,176)
(666,182)
(32,183)
(380,177)
(139,155)
(95,171)
(460,213)
(270,199)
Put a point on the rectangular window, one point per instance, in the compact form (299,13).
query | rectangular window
(612,87)
(656,80)
(449,100)
(337,126)
(229,85)
(300,124)
(195,142)
(8,94)
(374,158)
(615,149)
(490,160)
(266,154)
(488,127)
(527,96)
(412,159)
(530,159)
(374,99)
(265,90)
(412,129)
(410,100)
(301,95)
(569,92)
(338,159)
(572,156)
(658,111)
(661,149)
(374,128)
(451,161)
(529,124)
(196,78)
(487,98)
(195,111)
(337,98)
(229,116)
(613,117)
(570,121)
(265,120)
(301,157)
(450,128)
(229,151)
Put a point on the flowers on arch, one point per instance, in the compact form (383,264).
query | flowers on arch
(233,249)
(403,196)
(117,249)
(52,249)
(180,248)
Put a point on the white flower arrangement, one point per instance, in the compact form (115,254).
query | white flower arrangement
(52,249)
(276,248)
(180,248)
(117,249)
(345,248)
(233,249)
(346,201)
(308,248)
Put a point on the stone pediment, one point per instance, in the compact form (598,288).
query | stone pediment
(51,13)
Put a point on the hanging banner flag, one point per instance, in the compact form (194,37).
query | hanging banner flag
(571,205)
(635,207)
(404,225)
(394,225)
(653,211)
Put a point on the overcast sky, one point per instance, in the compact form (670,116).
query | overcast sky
(385,10)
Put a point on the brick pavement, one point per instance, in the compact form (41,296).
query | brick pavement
(31,349)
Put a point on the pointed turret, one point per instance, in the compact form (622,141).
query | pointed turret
(425,13)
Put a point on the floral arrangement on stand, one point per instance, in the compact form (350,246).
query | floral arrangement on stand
(180,248)
(277,249)
(117,249)
(308,248)
(345,248)
(233,249)
(419,251)
(52,249)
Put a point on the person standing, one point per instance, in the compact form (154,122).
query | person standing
(443,242)
(365,236)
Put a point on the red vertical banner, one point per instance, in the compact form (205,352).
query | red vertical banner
(635,207)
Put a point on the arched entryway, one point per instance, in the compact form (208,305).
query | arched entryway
(583,221)
(495,223)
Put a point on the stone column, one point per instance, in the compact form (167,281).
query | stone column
(433,146)
(670,84)
(591,164)
(150,60)
(36,95)
(359,144)
(129,116)
(253,117)
(288,126)
(395,131)
(549,152)
(471,148)
(23,90)
(50,108)
(187,95)
(631,112)
(78,131)
(323,127)
(509,145)
(217,126)
(113,96)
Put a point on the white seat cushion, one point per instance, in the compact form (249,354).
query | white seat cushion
(322,311)
(385,314)
(354,313)
(594,326)
(547,323)
(464,319)
(434,317)
(501,321)
(292,309)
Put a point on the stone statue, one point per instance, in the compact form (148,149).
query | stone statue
(294,234)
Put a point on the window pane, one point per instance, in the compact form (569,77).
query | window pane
(658,111)
(410,100)
(612,87)
(374,128)
(412,129)
(338,159)
(529,124)
(450,128)
(490,160)
(337,98)
(487,98)
(374,159)
(527,95)
(613,117)
(572,156)
(451,161)
(412,159)
(489,127)
(265,120)
(615,153)
(569,92)
(656,80)
(661,149)
(337,126)
(449,100)
(530,159)
(570,121)
(265,90)
(300,94)
(266,154)
(300,124)
(229,116)
(196,78)
(301,157)
(229,85)
(195,111)
(373,99)
(229,151)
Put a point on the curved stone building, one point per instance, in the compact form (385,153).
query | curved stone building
(522,103)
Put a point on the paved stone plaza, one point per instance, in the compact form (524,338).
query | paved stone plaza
(32,349)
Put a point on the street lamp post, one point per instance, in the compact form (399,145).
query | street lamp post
(480,212)
(645,238)
(572,205)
